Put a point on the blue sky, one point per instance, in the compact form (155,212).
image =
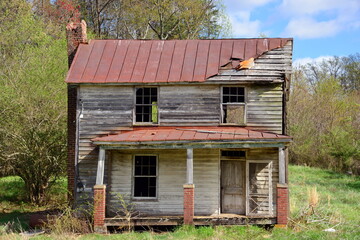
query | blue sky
(320,28)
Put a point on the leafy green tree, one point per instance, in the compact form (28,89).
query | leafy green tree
(324,116)
(32,101)
(156,19)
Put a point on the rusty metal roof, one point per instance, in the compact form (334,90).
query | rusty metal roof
(151,134)
(147,61)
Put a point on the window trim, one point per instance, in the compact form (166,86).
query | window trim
(245,103)
(135,123)
(133,177)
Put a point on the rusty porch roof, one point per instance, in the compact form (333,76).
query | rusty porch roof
(153,61)
(180,134)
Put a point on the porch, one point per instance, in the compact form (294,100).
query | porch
(193,181)
(221,219)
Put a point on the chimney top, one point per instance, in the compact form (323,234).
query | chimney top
(75,34)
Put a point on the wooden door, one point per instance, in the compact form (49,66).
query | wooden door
(233,186)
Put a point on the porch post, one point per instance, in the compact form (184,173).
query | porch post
(282,192)
(281,165)
(189,189)
(100,195)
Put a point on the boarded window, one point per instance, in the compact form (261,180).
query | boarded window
(146,107)
(233,105)
(145,172)
(260,188)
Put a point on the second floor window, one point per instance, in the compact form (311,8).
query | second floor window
(233,105)
(146,105)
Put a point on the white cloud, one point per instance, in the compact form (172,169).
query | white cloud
(242,26)
(320,18)
(310,28)
(304,61)
(239,12)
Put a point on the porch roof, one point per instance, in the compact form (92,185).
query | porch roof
(190,135)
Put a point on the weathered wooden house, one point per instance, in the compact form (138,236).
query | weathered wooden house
(189,131)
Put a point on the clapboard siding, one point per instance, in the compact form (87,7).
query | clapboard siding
(189,105)
(171,177)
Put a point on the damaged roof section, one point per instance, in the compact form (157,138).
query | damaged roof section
(150,61)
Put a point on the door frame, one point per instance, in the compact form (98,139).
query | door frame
(224,158)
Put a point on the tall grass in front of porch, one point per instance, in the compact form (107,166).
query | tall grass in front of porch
(334,198)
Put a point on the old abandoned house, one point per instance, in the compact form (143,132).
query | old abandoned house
(188,131)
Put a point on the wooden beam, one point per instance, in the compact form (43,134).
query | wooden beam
(193,145)
(282,165)
(189,166)
(101,167)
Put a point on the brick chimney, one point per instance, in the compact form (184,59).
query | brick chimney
(75,34)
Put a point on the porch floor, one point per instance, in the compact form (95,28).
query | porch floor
(222,219)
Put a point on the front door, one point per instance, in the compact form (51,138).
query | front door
(233,186)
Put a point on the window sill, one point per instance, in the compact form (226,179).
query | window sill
(145,124)
(135,199)
(233,124)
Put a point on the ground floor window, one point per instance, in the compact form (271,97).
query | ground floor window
(145,176)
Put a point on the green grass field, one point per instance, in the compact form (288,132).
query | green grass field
(337,206)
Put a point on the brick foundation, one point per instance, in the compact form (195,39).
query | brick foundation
(282,204)
(189,190)
(99,208)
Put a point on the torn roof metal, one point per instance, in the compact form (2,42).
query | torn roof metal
(156,61)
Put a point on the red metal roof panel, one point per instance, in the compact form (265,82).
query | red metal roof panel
(118,61)
(165,61)
(137,61)
(129,62)
(189,134)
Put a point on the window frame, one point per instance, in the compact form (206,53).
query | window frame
(133,176)
(234,104)
(135,105)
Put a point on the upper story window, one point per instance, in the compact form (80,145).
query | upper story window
(145,176)
(233,105)
(146,105)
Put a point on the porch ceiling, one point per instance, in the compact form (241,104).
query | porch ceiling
(176,136)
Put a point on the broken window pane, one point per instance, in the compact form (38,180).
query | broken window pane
(146,109)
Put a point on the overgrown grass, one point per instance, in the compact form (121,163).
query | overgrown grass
(338,208)
(14,209)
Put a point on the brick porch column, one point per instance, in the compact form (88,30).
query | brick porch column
(189,203)
(99,208)
(282,205)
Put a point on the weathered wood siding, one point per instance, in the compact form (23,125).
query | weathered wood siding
(189,105)
(101,110)
(170,180)
(172,176)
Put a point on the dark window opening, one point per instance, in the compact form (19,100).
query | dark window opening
(226,153)
(233,105)
(146,108)
(145,176)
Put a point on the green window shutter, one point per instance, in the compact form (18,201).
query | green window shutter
(154,112)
